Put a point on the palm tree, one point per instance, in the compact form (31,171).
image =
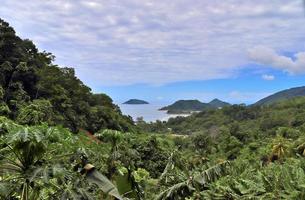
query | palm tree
(280,149)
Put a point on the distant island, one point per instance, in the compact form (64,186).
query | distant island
(135,102)
(190,106)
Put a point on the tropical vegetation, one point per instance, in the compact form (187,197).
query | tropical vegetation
(58,140)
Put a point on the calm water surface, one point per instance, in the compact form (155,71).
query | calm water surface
(149,112)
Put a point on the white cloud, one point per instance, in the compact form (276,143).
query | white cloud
(268,77)
(112,42)
(268,56)
(92,4)
(247,97)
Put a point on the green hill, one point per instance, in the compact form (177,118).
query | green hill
(185,106)
(282,95)
(216,103)
(188,106)
(135,102)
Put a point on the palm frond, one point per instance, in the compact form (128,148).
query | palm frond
(93,176)
(211,174)
(169,166)
(177,191)
(184,189)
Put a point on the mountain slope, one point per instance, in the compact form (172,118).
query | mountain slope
(216,103)
(282,95)
(188,106)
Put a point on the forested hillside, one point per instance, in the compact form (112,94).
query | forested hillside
(282,95)
(33,89)
(240,119)
(236,152)
(265,147)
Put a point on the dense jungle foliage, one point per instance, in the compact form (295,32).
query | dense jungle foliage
(265,147)
(237,152)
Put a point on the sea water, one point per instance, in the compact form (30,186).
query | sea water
(149,112)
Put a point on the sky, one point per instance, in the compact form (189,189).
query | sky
(164,50)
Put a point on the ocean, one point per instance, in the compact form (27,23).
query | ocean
(149,112)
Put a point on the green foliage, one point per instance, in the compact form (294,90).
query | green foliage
(273,182)
(4,109)
(36,160)
(1,92)
(178,191)
(184,158)
(35,113)
(41,162)
(112,136)
(201,142)
(140,175)
(266,146)
(93,176)
(151,156)
(201,180)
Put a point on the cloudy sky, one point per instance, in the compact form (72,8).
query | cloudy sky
(164,50)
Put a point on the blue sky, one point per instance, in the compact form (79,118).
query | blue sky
(165,50)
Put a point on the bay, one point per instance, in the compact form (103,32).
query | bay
(149,112)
